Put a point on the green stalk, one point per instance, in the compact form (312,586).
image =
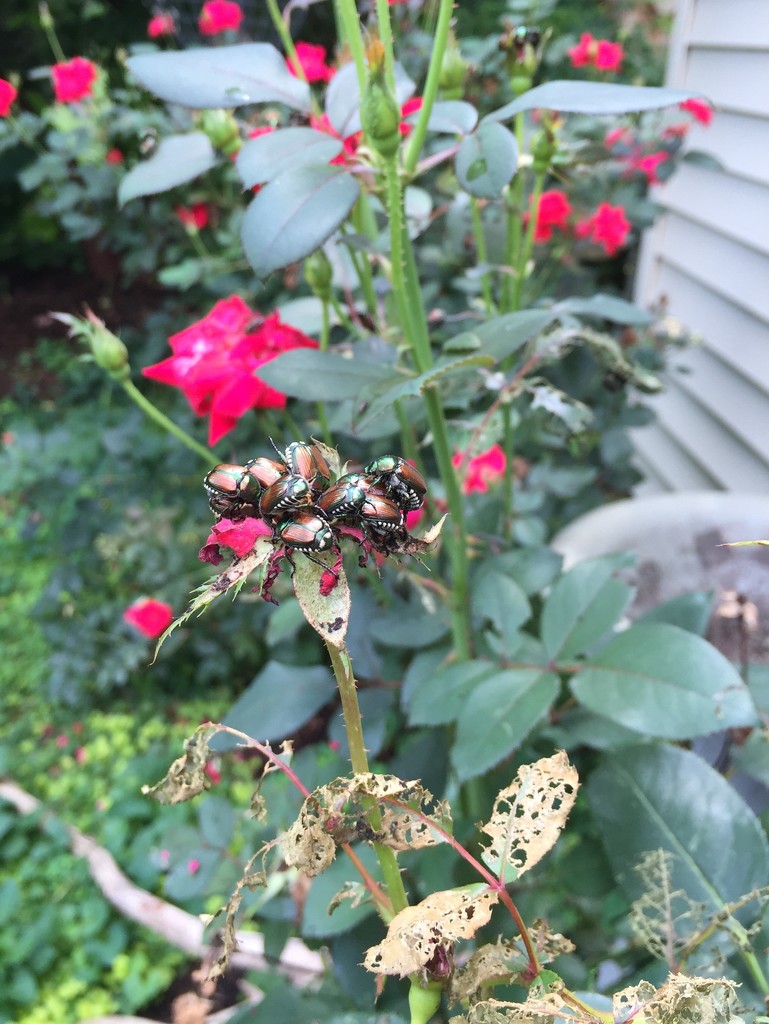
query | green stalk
(528,243)
(285,37)
(509,478)
(480,248)
(345,680)
(430,91)
(163,421)
(46,22)
(325,333)
(342,317)
(348,14)
(408,297)
(365,224)
(514,215)
(386,36)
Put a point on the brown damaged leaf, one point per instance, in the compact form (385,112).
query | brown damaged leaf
(232,577)
(546,1010)
(420,545)
(528,815)
(499,963)
(186,777)
(327,613)
(339,813)
(250,880)
(680,1000)
(416,933)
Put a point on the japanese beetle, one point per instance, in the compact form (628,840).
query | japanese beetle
(225,507)
(223,485)
(404,483)
(265,472)
(380,514)
(285,494)
(344,499)
(307,532)
(306,460)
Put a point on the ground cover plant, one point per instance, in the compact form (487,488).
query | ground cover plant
(409,363)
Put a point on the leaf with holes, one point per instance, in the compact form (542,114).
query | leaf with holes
(529,815)
(324,599)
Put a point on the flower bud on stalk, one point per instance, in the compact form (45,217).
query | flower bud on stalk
(222,129)
(107,350)
(380,115)
(453,71)
(543,149)
(424,1000)
(318,273)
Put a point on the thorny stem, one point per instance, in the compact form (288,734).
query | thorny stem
(376,892)
(528,244)
(408,297)
(351,33)
(345,680)
(430,91)
(480,248)
(509,478)
(364,223)
(320,409)
(163,421)
(386,36)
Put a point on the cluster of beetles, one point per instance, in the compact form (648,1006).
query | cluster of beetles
(297,498)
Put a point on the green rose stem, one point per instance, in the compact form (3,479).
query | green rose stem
(408,296)
(345,680)
(432,83)
(349,30)
(325,332)
(509,477)
(46,22)
(364,223)
(163,421)
(514,215)
(480,248)
(524,254)
(386,35)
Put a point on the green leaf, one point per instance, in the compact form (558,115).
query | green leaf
(583,605)
(217,821)
(689,611)
(498,716)
(268,156)
(487,160)
(504,335)
(405,387)
(498,599)
(317,923)
(753,756)
(606,307)
(295,213)
(328,614)
(410,626)
(450,117)
(317,376)
(592,98)
(439,698)
(660,797)
(221,76)
(177,159)
(662,681)
(532,568)
(279,700)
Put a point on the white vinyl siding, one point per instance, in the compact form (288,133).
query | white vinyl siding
(708,258)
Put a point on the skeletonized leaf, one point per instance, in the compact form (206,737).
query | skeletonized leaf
(308,847)
(681,998)
(540,1010)
(528,815)
(416,933)
(186,777)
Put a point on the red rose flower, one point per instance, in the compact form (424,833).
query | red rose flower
(648,165)
(149,616)
(219,16)
(215,362)
(486,468)
(582,54)
(608,227)
(699,109)
(193,218)
(598,53)
(161,25)
(552,212)
(608,56)
(114,156)
(618,137)
(312,60)
(239,537)
(73,80)
(8,94)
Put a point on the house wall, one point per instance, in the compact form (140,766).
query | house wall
(708,256)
